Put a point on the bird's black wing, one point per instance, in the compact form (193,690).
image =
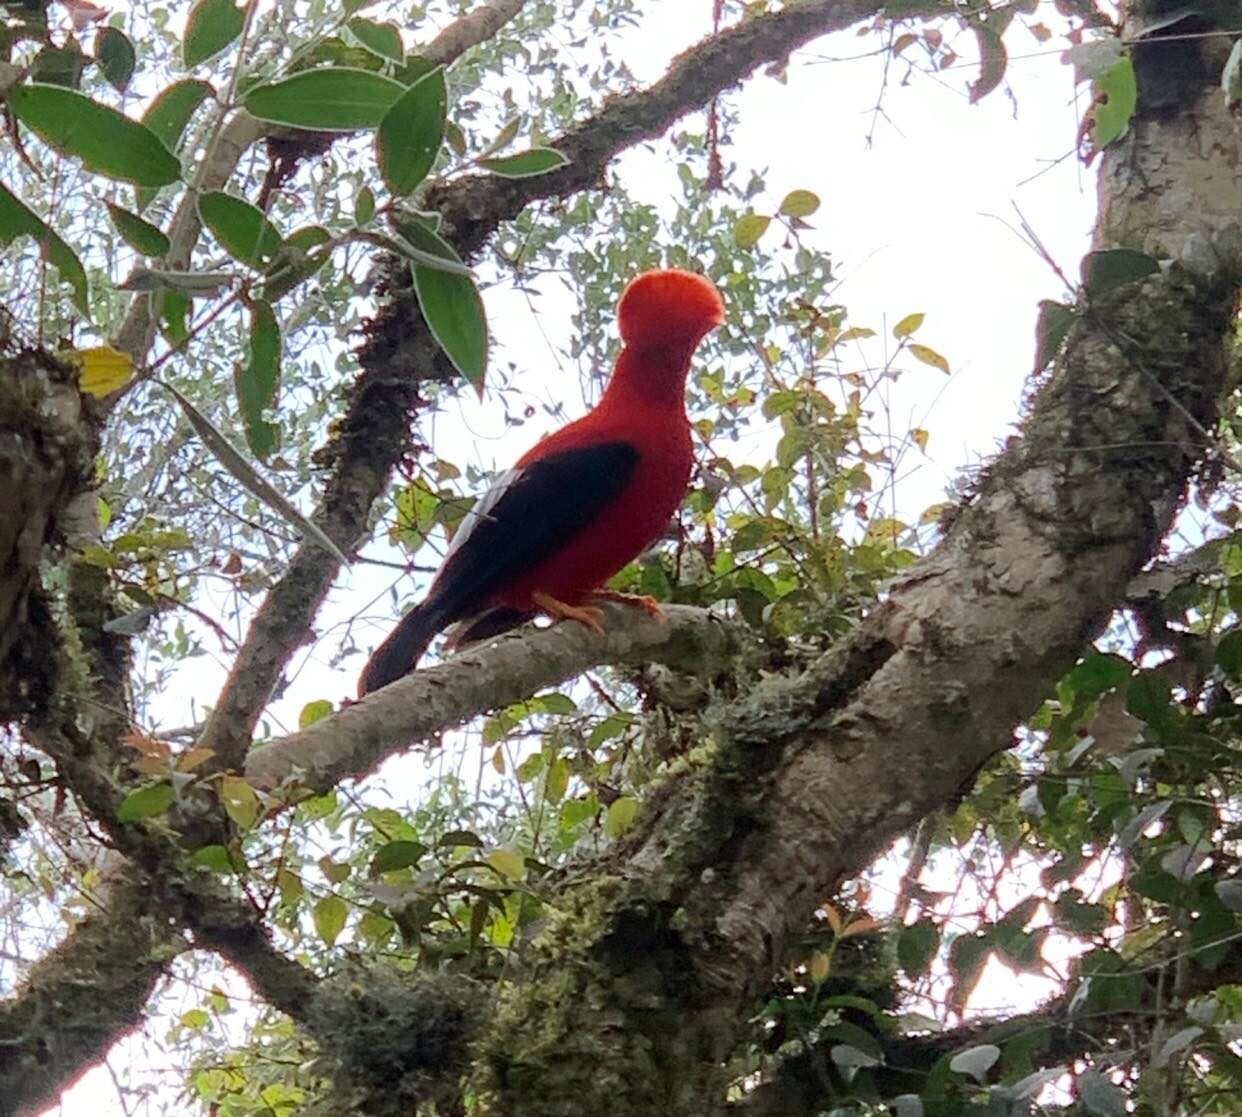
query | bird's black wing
(526,516)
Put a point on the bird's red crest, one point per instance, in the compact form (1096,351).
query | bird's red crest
(659,307)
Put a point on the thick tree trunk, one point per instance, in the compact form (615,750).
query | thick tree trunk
(643,983)
(47,448)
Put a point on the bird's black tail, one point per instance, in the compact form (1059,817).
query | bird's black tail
(397,655)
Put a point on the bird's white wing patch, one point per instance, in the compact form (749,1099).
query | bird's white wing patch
(482,510)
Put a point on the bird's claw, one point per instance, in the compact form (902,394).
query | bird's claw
(558,610)
(643,601)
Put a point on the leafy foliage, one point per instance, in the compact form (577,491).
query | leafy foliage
(1100,855)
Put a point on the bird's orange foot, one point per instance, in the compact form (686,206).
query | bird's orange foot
(560,611)
(643,601)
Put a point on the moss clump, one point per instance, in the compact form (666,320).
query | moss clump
(393,1039)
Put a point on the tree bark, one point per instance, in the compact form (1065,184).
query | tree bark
(640,988)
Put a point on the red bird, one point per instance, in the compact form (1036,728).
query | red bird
(582,502)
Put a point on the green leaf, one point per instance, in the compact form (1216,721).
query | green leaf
(1148,697)
(396,855)
(916,947)
(243,230)
(296,261)
(211,26)
(451,838)
(799,203)
(115,55)
(174,315)
(17,219)
(621,814)
(456,138)
(217,859)
(59,65)
(557,782)
(1097,674)
(170,112)
(1102,271)
(229,457)
(848,1057)
(168,116)
(975,1061)
(364,206)
(536,161)
(554,703)
(748,229)
(507,862)
(1230,893)
(908,325)
(329,916)
(857,1037)
(1051,329)
(258,381)
(383,39)
(451,304)
(314,711)
(105,140)
(1229,653)
(308,237)
(967,954)
(147,801)
(410,135)
(140,235)
(334,99)
(1116,92)
(1100,1096)
(337,872)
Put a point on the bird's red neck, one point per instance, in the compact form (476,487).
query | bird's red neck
(649,376)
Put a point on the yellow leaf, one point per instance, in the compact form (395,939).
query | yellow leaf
(313,711)
(919,436)
(329,915)
(149,746)
(103,369)
(507,862)
(933,512)
(929,357)
(621,813)
(860,927)
(498,761)
(150,766)
(908,325)
(855,333)
(240,800)
(834,918)
(800,203)
(820,966)
(748,229)
(192,758)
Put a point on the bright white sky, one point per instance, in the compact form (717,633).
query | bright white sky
(912,225)
(910,222)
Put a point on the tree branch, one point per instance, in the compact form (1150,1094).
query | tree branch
(82,997)
(399,354)
(811,777)
(356,740)
(475,27)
